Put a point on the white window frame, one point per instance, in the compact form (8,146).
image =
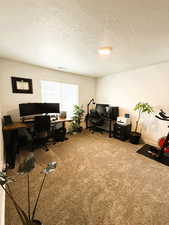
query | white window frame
(61,100)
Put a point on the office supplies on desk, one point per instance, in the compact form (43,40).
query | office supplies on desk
(54,117)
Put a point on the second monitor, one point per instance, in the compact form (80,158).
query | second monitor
(27,109)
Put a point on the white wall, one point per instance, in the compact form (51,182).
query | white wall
(11,101)
(150,84)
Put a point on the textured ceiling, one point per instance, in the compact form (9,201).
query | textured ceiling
(68,33)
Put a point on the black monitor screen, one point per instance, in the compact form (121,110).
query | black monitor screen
(101,108)
(51,107)
(28,109)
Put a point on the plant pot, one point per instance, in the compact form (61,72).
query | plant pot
(135,137)
(37,222)
(79,129)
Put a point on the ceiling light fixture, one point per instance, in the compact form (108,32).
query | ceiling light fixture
(105,50)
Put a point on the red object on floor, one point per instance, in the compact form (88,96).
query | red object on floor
(161,143)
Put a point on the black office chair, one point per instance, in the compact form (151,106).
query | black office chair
(24,139)
(95,121)
(112,113)
(7,120)
(97,117)
(41,132)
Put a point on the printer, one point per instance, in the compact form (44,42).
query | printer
(123,121)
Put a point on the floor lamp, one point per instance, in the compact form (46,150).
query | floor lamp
(88,109)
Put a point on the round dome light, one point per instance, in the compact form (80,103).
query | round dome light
(105,50)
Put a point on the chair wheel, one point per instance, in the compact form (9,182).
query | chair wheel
(46,149)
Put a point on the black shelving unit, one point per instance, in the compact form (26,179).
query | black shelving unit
(122,132)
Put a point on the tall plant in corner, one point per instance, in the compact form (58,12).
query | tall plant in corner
(141,107)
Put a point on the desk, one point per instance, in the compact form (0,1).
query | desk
(14,126)
(27,121)
(10,141)
(10,133)
(63,121)
(110,123)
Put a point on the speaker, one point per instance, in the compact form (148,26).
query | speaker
(113,112)
(7,120)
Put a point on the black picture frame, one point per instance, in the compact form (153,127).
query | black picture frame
(22,85)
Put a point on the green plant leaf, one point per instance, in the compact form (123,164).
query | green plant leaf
(142,108)
(78,113)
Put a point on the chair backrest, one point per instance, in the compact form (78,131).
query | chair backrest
(113,112)
(93,114)
(101,109)
(42,123)
(7,120)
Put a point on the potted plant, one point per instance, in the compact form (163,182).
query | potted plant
(78,113)
(27,218)
(141,107)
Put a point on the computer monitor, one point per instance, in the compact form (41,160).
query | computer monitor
(28,109)
(113,112)
(101,109)
(51,107)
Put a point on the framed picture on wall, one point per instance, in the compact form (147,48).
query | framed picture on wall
(22,85)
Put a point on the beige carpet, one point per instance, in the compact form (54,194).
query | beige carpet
(98,181)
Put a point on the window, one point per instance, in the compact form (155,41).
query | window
(65,94)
